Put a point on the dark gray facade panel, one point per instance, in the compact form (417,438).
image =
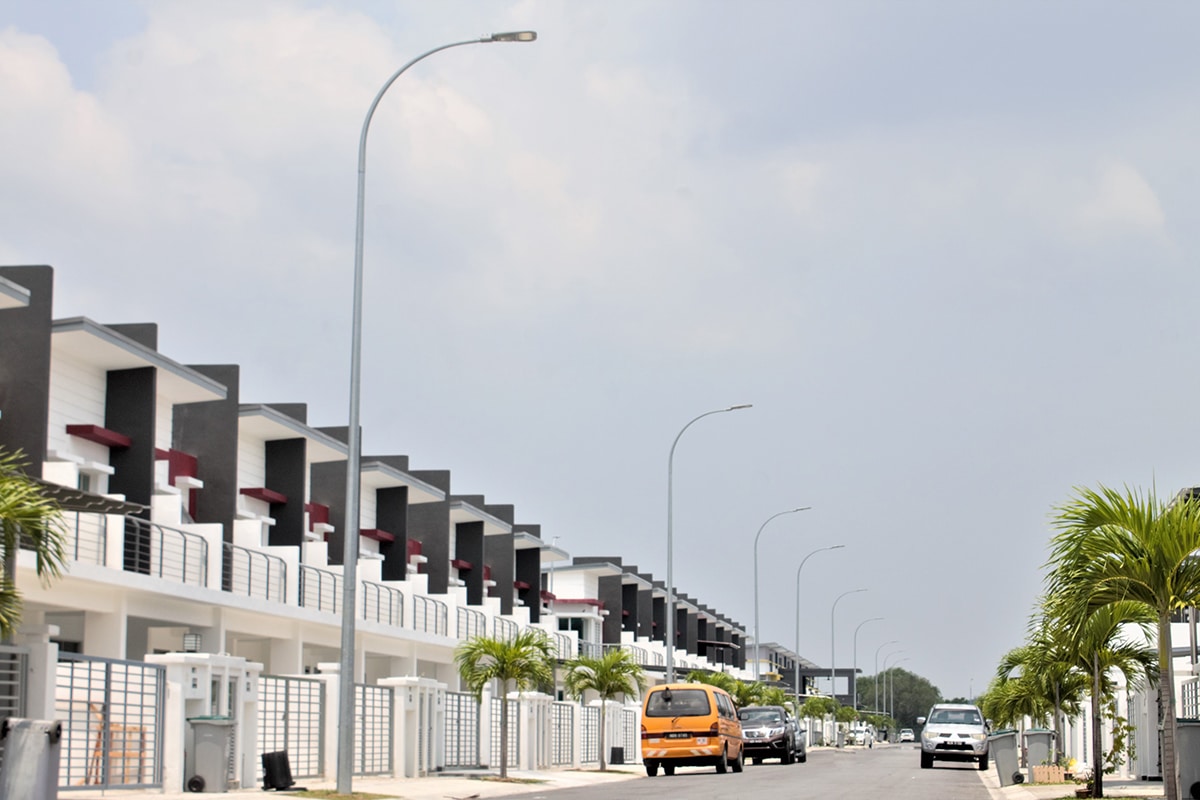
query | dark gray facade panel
(285,465)
(468,546)
(645,613)
(498,557)
(702,635)
(297,411)
(391,515)
(693,633)
(658,620)
(500,511)
(629,608)
(25,366)
(130,402)
(609,589)
(209,431)
(144,333)
(328,488)
(529,570)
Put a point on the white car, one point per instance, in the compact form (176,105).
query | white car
(954,732)
(906,735)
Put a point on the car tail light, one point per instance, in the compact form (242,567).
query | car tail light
(715,729)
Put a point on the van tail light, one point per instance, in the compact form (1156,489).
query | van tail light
(714,730)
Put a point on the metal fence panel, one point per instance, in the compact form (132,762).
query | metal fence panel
(589,734)
(112,715)
(373,741)
(471,623)
(291,715)
(562,746)
(631,720)
(462,730)
(14,665)
(514,732)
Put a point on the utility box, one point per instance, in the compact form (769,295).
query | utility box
(211,755)
(1002,750)
(31,751)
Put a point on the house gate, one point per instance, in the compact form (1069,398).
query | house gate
(562,747)
(514,732)
(291,714)
(112,713)
(373,738)
(589,734)
(14,664)
(462,730)
(631,719)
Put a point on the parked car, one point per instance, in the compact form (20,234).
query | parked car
(768,733)
(954,732)
(906,735)
(801,739)
(690,725)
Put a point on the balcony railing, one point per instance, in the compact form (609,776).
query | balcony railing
(320,589)
(164,552)
(253,573)
(564,647)
(504,630)
(640,655)
(87,537)
(471,623)
(430,615)
(382,604)
(590,649)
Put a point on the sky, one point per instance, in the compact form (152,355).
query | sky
(946,249)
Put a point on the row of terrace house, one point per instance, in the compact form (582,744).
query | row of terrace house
(205,540)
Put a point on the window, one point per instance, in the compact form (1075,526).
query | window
(678,703)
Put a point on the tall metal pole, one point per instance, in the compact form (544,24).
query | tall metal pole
(832,649)
(876,673)
(798,571)
(760,530)
(345,754)
(892,688)
(854,664)
(886,688)
(670,642)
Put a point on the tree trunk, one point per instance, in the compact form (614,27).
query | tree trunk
(1166,698)
(1097,739)
(503,730)
(600,738)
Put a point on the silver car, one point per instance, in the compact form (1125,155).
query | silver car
(954,732)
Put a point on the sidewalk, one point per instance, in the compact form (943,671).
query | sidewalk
(1113,787)
(448,785)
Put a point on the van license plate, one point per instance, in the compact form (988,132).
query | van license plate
(679,735)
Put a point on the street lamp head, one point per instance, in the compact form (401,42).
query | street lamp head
(740,406)
(802,508)
(512,36)
(835,547)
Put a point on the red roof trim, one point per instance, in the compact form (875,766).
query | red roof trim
(459,564)
(520,585)
(94,433)
(548,595)
(377,534)
(264,494)
(583,601)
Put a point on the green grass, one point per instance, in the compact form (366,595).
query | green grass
(332,794)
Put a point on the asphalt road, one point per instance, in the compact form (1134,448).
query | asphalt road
(886,771)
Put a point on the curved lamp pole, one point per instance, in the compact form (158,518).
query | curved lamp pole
(892,688)
(345,754)
(670,642)
(832,650)
(760,530)
(876,681)
(887,694)
(798,570)
(854,664)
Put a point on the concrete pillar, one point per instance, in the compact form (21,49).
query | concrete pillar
(42,670)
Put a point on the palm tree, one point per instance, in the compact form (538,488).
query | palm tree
(526,660)
(1047,668)
(721,680)
(1009,699)
(613,674)
(1128,546)
(30,520)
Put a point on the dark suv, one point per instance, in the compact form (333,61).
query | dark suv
(768,733)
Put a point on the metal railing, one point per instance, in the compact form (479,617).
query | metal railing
(253,573)
(590,649)
(320,589)
(564,646)
(504,630)
(471,623)
(165,552)
(382,604)
(87,537)
(430,615)
(640,655)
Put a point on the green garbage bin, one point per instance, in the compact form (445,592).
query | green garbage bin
(1002,749)
(210,757)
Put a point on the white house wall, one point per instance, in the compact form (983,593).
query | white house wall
(77,393)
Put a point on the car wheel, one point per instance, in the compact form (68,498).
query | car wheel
(926,761)
(757,760)
(983,762)
(736,764)
(668,769)
(651,769)
(788,757)
(723,763)
(803,757)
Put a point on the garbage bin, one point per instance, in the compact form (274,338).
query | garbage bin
(616,756)
(1187,756)
(1039,748)
(31,750)
(208,768)
(1002,750)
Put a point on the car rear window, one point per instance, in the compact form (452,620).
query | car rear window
(955,716)
(760,715)
(678,703)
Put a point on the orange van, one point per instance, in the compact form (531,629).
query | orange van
(690,725)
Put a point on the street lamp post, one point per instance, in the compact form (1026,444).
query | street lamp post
(760,530)
(832,650)
(876,681)
(854,664)
(887,693)
(670,542)
(798,570)
(345,754)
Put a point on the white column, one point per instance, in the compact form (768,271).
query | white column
(42,673)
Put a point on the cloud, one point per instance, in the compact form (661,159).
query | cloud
(1121,199)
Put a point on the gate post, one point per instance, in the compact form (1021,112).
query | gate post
(485,727)
(42,670)
(329,672)
(420,706)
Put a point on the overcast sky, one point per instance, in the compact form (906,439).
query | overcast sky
(947,250)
